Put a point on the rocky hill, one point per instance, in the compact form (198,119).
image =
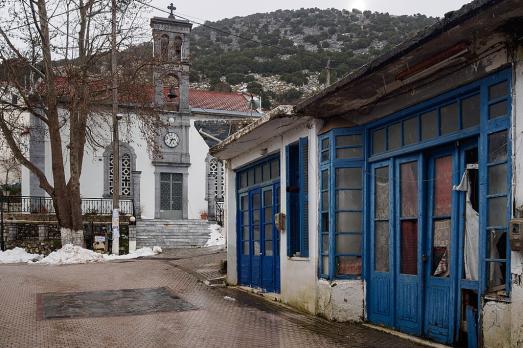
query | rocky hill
(282,55)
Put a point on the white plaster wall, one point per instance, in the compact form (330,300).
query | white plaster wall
(198,150)
(341,300)
(230,224)
(496,325)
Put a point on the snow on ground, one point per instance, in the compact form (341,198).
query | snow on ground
(216,236)
(17,255)
(146,251)
(72,254)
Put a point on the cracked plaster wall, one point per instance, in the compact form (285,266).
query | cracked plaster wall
(341,300)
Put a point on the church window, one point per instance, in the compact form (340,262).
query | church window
(164,47)
(178,47)
(126,167)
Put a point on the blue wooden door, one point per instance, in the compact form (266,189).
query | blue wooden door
(244,239)
(440,254)
(268,238)
(381,296)
(407,244)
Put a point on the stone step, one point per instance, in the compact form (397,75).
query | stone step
(172,233)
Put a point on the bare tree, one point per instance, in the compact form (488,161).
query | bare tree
(53,55)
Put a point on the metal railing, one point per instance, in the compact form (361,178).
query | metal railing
(44,205)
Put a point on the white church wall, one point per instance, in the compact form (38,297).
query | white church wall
(198,151)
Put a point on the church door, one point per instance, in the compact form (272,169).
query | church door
(171,186)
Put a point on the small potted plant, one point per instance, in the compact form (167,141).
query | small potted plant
(204,215)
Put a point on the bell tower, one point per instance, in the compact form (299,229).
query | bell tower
(171,37)
(171,53)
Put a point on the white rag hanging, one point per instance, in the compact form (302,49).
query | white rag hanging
(471,247)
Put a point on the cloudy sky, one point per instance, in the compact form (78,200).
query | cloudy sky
(214,10)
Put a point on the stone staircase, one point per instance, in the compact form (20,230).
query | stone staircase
(172,233)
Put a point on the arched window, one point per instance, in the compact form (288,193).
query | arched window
(164,47)
(127,165)
(178,47)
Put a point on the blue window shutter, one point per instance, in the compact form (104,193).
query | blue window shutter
(304,196)
(287,200)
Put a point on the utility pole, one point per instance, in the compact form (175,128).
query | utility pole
(116,145)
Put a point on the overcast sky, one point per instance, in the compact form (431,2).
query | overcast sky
(213,10)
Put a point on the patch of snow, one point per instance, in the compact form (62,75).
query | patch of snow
(228,298)
(146,251)
(215,236)
(18,255)
(71,254)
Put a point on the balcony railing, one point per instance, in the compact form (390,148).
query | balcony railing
(220,212)
(44,205)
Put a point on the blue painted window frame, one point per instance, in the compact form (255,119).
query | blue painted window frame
(330,163)
(487,126)
(303,204)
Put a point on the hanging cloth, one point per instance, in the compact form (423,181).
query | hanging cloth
(471,242)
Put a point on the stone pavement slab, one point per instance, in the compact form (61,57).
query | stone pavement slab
(244,321)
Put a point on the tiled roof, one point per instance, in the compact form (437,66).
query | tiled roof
(209,100)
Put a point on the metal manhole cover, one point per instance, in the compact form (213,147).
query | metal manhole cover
(109,303)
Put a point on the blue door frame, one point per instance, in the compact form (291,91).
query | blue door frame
(417,304)
(258,246)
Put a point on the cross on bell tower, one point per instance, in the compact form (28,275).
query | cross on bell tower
(172,8)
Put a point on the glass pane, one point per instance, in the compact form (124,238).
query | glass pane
(440,248)
(266,171)
(257,248)
(498,90)
(378,141)
(348,200)
(325,265)
(325,222)
(348,178)
(325,200)
(497,179)
(381,199)
(256,216)
(409,189)
(348,222)
(449,118)
(410,131)
(325,144)
(442,186)
(243,179)
(245,233)
(498,109)
(324,156)
(348,265)
(268,248)
(348,244)
(245,217)
(325,242)
(250,177)
(349,140)
(246,248)
(409,247)
(244,202)
(275,170)
(496,276)
(497,211)
(258,174)
(497,244)
(381,246)
(324,180)
(429,125)
(394,138)
(497,149)
(256,232)
(267,198)
(470,111)
(256,201)
(268,215)
(351,152)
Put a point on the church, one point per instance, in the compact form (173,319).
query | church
(180,186)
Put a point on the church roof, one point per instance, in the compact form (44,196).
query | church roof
(212,130)
(199,99)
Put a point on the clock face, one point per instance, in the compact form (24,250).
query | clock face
(171,139)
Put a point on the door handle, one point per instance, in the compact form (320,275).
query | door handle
(424,258)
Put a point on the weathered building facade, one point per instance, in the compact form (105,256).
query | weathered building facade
(394,188)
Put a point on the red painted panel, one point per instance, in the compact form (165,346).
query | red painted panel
(442,186)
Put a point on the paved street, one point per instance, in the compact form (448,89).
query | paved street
(246,321)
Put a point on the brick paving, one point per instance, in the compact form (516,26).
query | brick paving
(245,322)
